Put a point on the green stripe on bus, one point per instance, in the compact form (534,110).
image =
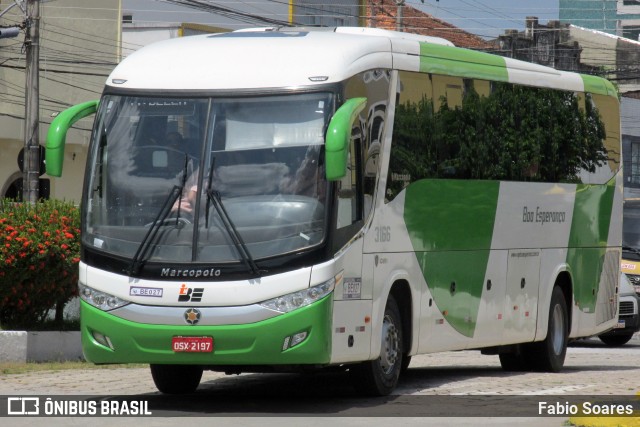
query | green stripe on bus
(593,84)
(57,135)
(236,344)
(588,241)
(453,61)
(450,223)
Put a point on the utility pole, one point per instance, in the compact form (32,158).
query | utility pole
(399,10)
(31,165)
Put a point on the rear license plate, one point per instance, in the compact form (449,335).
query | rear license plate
(192,344)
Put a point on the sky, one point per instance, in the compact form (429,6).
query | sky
(486,18)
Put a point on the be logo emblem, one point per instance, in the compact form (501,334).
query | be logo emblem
(189,294)
(192,316)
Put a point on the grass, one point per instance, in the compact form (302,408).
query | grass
(605,421)
(13,368)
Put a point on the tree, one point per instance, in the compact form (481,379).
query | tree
(517,133)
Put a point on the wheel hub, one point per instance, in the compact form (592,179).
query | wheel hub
(390,349)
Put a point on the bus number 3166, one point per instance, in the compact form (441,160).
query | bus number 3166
(383,234)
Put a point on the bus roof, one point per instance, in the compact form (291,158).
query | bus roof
(269,58)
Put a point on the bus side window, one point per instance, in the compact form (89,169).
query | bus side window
(412,155)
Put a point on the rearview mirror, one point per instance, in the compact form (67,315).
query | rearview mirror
(56,137)
(338,137)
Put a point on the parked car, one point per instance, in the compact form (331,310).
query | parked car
(628,317)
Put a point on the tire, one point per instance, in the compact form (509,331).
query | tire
(176,379)
(379,377)
(513,362)
(406,360)
(549,355)
(615,340)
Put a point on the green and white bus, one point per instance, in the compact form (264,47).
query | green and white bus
(286,200)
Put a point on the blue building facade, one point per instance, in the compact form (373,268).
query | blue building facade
(616,17)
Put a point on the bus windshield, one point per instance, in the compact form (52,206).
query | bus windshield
(187,177)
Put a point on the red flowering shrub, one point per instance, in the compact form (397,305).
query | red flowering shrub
(39,255)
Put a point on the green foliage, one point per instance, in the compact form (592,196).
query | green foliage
(39,255)
(415,124)
(517,133)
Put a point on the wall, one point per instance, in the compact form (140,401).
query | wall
(331,13)
(81,42)
(608,52)
(135,36)
(78,49)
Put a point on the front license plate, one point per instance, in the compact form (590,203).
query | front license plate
(192,344)
(619,325)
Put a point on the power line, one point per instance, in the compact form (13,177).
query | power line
(82,73)
(227,12)
(92,57)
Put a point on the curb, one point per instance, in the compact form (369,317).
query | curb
(40,346)
(605,421)
(13,346)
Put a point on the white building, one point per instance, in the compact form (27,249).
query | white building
(79,42)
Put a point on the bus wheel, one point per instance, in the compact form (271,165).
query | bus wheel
(176,379)
(548,355)
(615,340)
(379,377)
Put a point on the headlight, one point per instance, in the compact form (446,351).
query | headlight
(296,300)
(99,299)
(635,281)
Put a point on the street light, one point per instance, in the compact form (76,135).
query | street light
(400,4)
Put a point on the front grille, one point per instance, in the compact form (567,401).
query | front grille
(626,307)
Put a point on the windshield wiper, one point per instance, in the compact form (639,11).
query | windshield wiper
(630,249)
(216,200)
(209,184)
(141,254)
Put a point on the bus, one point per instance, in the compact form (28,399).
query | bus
(286,200)
(629,318)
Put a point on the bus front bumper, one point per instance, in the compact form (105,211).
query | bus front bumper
(110,339)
